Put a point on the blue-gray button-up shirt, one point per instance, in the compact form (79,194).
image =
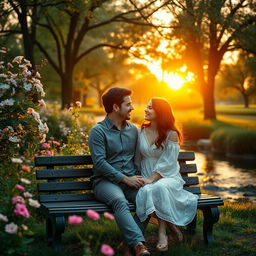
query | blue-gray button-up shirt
(113,150)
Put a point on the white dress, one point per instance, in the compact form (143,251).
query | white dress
(166,196)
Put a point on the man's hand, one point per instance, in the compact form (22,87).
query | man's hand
(134,181)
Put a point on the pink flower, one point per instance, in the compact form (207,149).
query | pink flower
(74,220)
(46,145)
(50,152)
(109,216)
(18,200)
(92,215)
(25,168)
(11,228)
(21,210)
(27,194)
(19,187)
(56,143)
(106,250)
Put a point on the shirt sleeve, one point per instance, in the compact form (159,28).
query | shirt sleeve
(98,152)
(167,165)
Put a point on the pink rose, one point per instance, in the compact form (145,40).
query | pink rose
(56,143)
(18,200)
(25,168)
(74,220)
(106,250)
(46,145)
(21,210)
(108,215)
(19,187)
(92,215)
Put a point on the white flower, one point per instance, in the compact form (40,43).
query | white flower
(37,75)
(3,218)
(41,127)
(34,203)
(17,59)
(11,228)
(3,76)
(10,128)
(16,160)
(40,89)
(36,116)
(9,65)
(2,51)
(26,73)
(7,102)
(42,103)
(23,67)
(79,104)
(27,86)
(11,81)
(27,63)
(4,86)
(27,194)
(13,139)
(25,181)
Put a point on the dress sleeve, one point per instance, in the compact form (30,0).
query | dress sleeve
(167,164)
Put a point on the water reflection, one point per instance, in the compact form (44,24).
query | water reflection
(232,179)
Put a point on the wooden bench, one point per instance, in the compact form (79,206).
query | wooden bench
(57,201)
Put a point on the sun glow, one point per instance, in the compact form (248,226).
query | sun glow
(175,80)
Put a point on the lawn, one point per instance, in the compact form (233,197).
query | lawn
(235,234)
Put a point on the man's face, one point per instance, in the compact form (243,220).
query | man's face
(126,108)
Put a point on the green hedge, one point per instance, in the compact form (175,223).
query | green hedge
(234,140)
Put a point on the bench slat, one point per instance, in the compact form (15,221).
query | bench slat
(193,180)
(64,173)
(188,168)
(86,159)
(64,186)
(194,190)
(62,160)
(65,197)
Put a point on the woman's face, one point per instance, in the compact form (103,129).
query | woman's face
(150,113)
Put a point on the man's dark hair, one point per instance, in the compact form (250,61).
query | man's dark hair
(114,96)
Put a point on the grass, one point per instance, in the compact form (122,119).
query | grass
(235,234)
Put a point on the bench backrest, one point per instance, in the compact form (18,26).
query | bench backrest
(74,172)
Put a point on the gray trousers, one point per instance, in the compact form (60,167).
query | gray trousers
(117,196)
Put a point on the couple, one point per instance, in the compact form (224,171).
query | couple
(140,166)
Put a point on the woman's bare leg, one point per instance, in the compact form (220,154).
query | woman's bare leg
(175,231)
(162,244)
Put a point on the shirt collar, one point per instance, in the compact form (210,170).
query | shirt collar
(111,125)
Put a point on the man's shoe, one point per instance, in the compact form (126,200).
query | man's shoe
(141,250)
(124,249)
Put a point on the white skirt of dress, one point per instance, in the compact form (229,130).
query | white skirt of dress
(168,200)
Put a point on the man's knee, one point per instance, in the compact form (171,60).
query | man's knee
(119,203)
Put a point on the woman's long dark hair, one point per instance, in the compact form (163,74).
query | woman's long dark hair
(165,120)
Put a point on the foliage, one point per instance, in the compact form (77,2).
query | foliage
(21,132)
(234,141)
(21,129)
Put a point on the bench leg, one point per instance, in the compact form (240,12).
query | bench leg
(58,227)
(191,228)
(49,235)
(211,216)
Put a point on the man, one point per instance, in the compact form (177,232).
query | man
(112,144)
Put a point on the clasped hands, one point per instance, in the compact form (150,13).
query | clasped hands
(136,181)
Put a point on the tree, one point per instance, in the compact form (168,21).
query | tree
(207,30)
(241,76)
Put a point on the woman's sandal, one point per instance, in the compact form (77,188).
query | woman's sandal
(175,231)
(162,247)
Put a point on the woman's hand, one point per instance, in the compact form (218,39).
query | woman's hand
(147,181)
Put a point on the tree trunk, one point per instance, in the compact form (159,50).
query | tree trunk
(246,100)
(66,89)
(208,100)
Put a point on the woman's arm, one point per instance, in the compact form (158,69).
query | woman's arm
(155,176)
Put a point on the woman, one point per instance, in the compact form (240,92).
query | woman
(163,195)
